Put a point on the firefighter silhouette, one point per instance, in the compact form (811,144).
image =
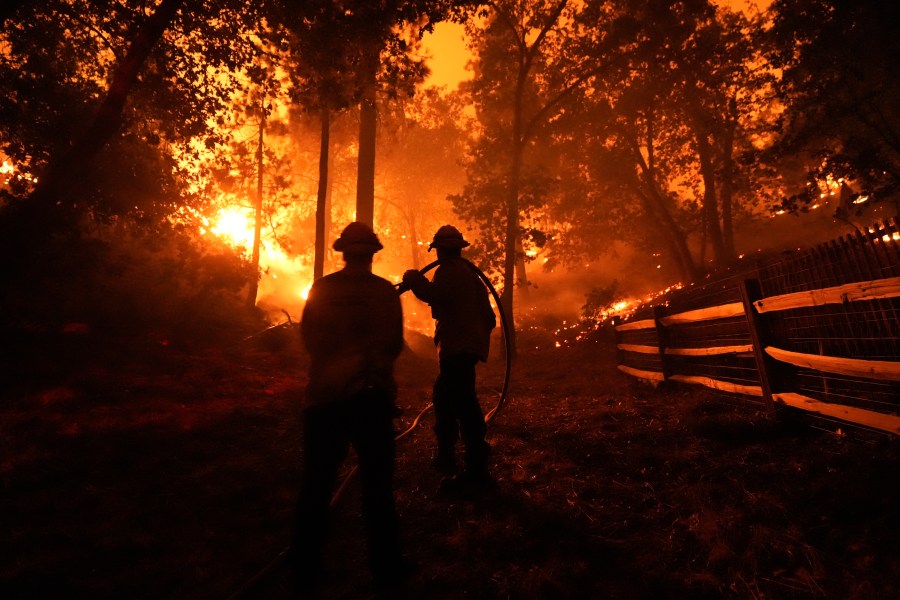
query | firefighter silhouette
(464,321)
(352,326)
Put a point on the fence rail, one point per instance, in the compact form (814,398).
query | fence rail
(816,330)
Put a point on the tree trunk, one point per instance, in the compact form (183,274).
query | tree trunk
(710,203)
(674,236)
(512,236)
(257,221)
(517,147)
(710,199)
(655,206)
(329,195)
(512,232)
(106,121)
(365,176)
(322,195)
(512,229)
(728,182)
(414,250)
(521,271)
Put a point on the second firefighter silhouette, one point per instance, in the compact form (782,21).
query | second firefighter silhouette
(464,321)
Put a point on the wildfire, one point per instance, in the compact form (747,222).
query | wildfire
(892,237)
(283,279)
(626,308)
(9,171)
(235,225)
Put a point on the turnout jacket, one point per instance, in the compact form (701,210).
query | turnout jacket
(461,308)
(352,326)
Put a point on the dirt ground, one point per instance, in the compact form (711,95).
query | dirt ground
(153,471)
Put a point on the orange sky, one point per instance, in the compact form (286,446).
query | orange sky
(449,55)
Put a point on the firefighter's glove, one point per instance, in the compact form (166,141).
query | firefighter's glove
(413,279)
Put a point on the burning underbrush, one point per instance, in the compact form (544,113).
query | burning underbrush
(154,471)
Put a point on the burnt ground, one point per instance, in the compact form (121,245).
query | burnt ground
(150,471)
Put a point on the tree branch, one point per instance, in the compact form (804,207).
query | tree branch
(541,115)
(108,117)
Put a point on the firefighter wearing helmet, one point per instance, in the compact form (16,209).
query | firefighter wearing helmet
(352,326)
(464,321)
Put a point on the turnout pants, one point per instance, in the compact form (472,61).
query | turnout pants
(458,413)
(364,421)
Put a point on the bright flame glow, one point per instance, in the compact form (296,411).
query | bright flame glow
(235,225)
(9,169)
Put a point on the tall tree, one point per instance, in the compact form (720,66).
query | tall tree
(518,93)
(670,121)
(253,289)
(423,139)
(709,87)
(840,88)
(97,96)
(325,84)
(322,193)
(82,79)
(352,53)
(385,33)
(108,116)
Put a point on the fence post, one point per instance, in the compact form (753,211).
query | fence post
(662,336)
(617,339)
(770,373)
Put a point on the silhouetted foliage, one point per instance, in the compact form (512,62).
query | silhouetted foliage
(840,88)
(124,280)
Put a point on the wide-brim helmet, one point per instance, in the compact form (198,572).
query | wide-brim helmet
(357,237)
(448,236)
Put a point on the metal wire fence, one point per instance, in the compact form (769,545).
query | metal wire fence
(816,330)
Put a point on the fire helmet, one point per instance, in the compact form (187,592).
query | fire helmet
(359,238)
(448,236)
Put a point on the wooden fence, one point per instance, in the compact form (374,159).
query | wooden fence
(815,330)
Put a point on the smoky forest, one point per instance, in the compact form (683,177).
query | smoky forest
(174,175)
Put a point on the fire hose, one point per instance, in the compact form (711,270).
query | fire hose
(489,416)
(504,324)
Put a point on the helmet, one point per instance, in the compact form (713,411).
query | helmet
(357,237)
(448,236)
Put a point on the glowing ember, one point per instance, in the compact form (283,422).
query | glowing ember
(626,308)
(11,172)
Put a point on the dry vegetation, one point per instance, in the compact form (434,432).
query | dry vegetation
(154,472)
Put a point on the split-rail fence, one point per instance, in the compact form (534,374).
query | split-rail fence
(814,330)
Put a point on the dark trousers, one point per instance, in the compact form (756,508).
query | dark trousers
(457,412)
(365,422)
